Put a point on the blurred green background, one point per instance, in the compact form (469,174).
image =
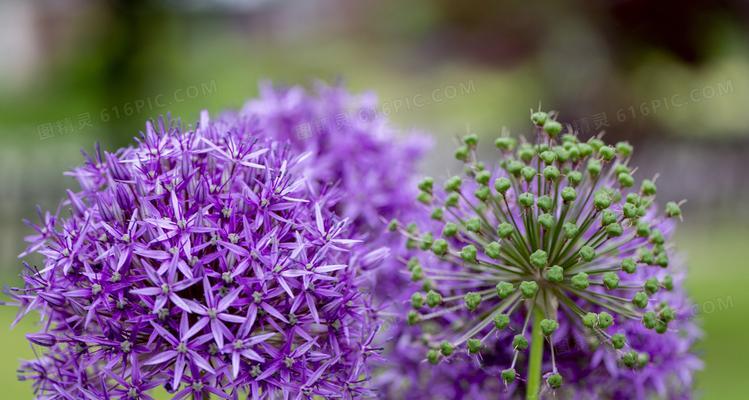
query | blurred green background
(671,77)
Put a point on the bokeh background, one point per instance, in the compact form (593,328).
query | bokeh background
(672,77)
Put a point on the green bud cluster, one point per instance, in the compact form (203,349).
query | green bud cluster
(560,226)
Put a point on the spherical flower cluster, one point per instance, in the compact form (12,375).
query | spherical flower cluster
(202,261)
(351,142)
(555,245)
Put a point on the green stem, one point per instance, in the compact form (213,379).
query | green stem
(536,357)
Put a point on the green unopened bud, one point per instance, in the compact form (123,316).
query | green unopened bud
(569,194)
(569,138)
(452,200)
(648,187)
(483,193)
(611,280)
(413,317)
(508,376)
(471,140)
(474,346)
(618,341)
(585,149)
(607,153)
(551,173)
(625,180)
(526,152)
(548,326)
(434,299)
(629,359)
(607,217)
(554,381)
(573,152)
(594,167)
(552,128)
(562,154)
(461,153)
(642,360)
(651,286)
(501,321)
(472,300)
(667,314)
(393,225)
(528,173)
(630,211)
(574,178)
(417,274)
(426,241)
(570,229)
(624,149)
(433,356)
(473,224)
(673,210)
(438,213)
(596,143)
(539,118)
(450,230)
(590,319)
(539,258)
(417,300)
(640,300)
(643,229)
(504,289)
(483,177)
(656,237)
(633,198)
(587,253)
(493,250)
(505,143)
(668,282)
(580,281)
(614,230)
(514,167)
(439,247)
(520,342)
(646,257)
(526,199)
(601,200)
(661,327)
(649,320)
(502,185)
(555,274)
(453,184)
(629,266)
(662,259)
(546,220)
(426,184)
(468,253)
(505,230)
(528,289)
(548,156)
(605,320)
(545,203)
(446,348)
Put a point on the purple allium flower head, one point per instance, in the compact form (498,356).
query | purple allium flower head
(553,259)
(203,261)
(351,142)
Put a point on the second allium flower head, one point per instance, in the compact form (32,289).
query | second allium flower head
(558,230)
